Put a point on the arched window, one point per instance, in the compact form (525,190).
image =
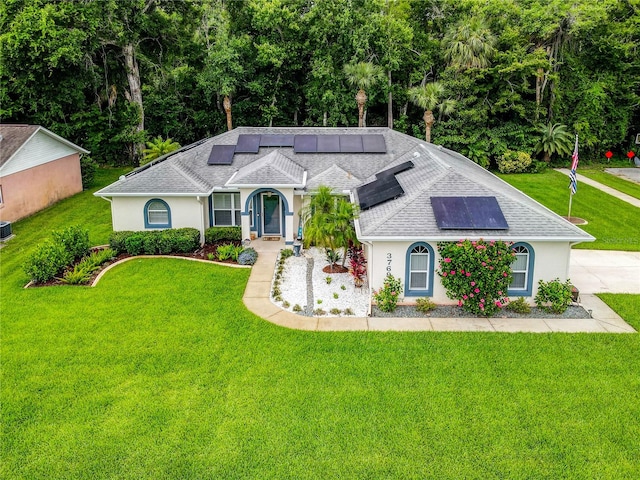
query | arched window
(157,214)
(419,270)
(522,268)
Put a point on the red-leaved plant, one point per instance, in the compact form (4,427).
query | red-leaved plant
(357,263)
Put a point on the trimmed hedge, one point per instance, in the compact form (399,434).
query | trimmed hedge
(222,234)
(156,242)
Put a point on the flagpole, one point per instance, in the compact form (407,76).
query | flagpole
(573,184)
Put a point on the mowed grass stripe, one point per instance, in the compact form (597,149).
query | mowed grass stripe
(621,184)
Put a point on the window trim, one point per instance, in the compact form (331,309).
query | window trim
(528,282)
(430,268)
(236,207)
(1,197)
(147,223)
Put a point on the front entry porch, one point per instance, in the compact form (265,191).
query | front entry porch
(269,217)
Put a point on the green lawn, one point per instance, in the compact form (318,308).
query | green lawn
(614,223)
(620,184)
(160,372)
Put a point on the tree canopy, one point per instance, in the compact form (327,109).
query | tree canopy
(111,75)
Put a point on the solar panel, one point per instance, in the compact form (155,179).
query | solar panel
(395,170)
(328,144)
(486,213)
(379,191)
(451,213)
(276,140)
(351,144)
(468,213)
(248,143)
(221,155)
(374,144)
(305,144)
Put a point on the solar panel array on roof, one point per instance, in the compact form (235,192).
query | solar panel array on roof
(248,143)
(221,155)
(384,188)
(251,143)
(468,213)
(305,144)
(276,140)
(328,144)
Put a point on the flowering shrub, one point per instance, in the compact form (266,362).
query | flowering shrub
(476,273)
(387,297)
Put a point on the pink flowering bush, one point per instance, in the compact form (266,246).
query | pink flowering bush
(476,273)
(387,297)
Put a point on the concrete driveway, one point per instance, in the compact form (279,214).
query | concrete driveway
(602,271)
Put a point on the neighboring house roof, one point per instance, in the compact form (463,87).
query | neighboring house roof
(26,146)
(436,172)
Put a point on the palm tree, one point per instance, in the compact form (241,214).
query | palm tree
(157,148)
(429,97)
(343,230)
(328,221)
(554,139)
(362,75)
(317,218)
(470,44)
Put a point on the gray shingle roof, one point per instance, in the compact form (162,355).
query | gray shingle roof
(272,169)
(437,172)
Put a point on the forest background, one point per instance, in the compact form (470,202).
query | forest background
(112,74)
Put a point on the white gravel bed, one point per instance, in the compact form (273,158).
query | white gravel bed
(293,286)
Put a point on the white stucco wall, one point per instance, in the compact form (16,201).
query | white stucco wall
(127,213)
(551,261)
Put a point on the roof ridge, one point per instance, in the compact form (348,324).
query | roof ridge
(187,175)
(277,167)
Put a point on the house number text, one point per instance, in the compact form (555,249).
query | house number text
(389,262)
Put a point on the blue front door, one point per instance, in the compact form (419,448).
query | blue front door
(271,214)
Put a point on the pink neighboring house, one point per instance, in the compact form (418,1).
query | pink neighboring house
(37,169)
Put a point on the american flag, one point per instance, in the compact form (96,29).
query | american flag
(573,184)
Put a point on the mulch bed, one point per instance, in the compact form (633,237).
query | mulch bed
(335,269)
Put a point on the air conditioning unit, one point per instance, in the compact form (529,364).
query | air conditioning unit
(5,230)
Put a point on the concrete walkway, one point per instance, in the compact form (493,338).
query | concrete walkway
(257,299)
(611,191)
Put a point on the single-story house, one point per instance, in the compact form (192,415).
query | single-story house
(411,195)
(37,168)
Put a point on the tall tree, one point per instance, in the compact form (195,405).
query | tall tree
(429,97)
(362,75)
(469,44)
(224,70)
